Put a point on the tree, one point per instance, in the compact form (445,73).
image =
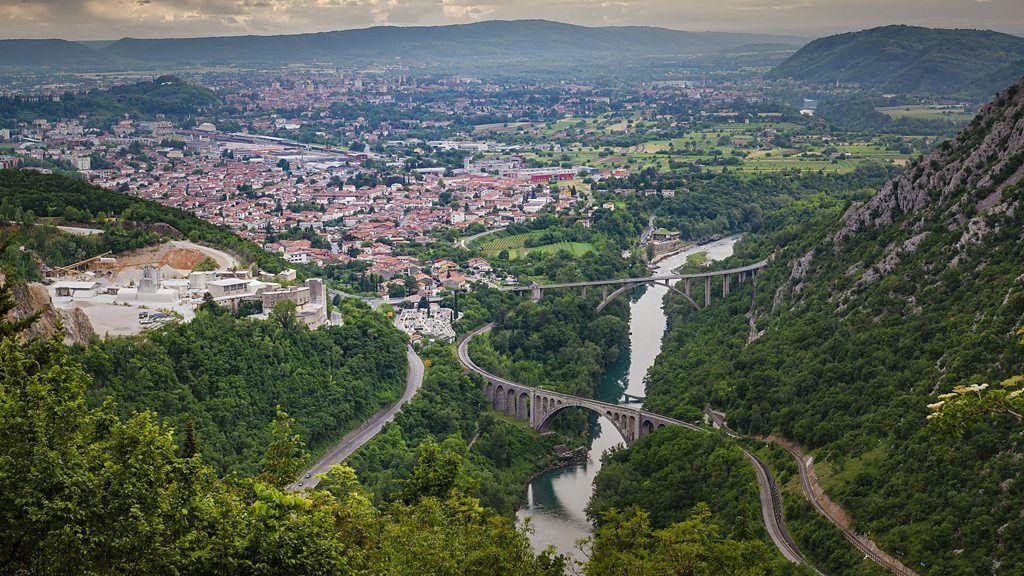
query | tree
(206,265)
(436,475)
(9,328)
(190,444)
(286,454)
(625,544)
(284,313)
(966,404)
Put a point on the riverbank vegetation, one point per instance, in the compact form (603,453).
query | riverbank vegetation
(559,343)
(705,206)
(669,474)
(223,377)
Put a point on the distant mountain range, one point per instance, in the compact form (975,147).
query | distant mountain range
(910,59)
(494,40)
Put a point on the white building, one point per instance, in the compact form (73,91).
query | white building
(434,323)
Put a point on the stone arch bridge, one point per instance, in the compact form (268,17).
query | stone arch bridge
(613,288)
(539,406)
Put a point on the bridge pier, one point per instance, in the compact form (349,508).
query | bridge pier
(686,287)
(707,291)
(536,293)
(583,291)
(725,285)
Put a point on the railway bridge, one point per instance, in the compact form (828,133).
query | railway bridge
(539,406)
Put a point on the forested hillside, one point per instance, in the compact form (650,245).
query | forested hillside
(715,204)
(862,321)
(95,491)
(107,491)
(224,376)
(911,59)
(451,408)
(130,222)
(164,96)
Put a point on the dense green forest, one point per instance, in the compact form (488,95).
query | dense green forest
(102,490)
(911,59)
(26,195)
(559,343)
(857,112)
(224,376)
(710,205)
(163,96)
(861,321)
(669,473)
(451,408)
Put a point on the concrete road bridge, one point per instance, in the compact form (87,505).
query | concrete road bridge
(615,287)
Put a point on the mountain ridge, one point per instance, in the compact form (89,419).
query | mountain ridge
(491,39)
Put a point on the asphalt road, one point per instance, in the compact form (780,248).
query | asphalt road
(356,438)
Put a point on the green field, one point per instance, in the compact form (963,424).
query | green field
(953,113)
(746,141)
(515,244)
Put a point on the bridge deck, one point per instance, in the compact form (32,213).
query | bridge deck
(642,280)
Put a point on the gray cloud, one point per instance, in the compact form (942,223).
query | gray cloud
(106,19)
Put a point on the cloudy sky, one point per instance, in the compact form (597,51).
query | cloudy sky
(110,19)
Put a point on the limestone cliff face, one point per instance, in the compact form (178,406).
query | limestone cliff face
(960,181)
(33,297)
(949,210)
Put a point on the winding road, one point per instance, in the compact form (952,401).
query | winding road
(356,438)
(464,242)
(771,499)
(865,545)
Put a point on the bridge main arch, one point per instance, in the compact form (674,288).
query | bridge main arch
(546,406)
(629,287)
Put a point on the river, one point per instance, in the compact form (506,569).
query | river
(556,501)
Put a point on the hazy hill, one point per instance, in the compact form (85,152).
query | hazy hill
(55,53)
(539,41)
(968,63)
(516,39)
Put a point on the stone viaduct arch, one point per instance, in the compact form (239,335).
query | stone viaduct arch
(540,406)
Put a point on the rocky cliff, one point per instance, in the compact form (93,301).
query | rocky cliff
(32,297)
(861,321)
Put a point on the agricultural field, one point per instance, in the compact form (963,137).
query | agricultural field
(515,244)
(744,148)
(957,114)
